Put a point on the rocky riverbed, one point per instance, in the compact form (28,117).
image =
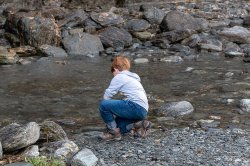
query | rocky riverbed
(192,56)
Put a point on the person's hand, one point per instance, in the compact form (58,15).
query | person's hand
(115,72)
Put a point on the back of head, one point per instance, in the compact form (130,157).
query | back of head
(121,63)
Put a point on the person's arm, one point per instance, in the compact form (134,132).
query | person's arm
(115,85)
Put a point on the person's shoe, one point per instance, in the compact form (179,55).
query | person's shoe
(109,135)
(141,128)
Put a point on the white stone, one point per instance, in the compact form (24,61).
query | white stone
(141,60)
(84,158)
(245,105)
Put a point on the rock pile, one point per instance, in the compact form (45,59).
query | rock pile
(179,28)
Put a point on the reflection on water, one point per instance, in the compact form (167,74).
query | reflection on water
(69,91)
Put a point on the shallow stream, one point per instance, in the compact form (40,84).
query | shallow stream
(68,91)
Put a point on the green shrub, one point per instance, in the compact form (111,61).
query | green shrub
(44,161)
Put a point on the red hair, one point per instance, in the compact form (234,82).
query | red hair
(121,63)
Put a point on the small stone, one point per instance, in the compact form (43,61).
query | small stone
(141,60)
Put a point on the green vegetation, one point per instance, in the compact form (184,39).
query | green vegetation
(44,161)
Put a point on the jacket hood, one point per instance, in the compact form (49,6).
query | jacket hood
(130,74)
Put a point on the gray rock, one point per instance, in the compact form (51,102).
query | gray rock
(176,35)
(143,35)
(211,45)
(176,109)
(176,20)
(236,34)
(62,150)
(106,18)
(205,124)
(245,105)
(56,52)
(154,15)
(82,44)
(136,25)
(115,37)
(66,150)
(31,151)
(51,131)
(43,31)
(246,21)
(15,136)
(73,19)
(19,164)
(84,158)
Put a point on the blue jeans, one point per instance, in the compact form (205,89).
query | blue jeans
(120,113)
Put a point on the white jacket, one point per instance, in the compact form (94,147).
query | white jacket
(129,84)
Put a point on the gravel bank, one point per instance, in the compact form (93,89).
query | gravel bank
(185,146)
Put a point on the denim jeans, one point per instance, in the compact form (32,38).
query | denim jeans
(120,113)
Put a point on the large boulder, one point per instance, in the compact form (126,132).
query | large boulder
(176,20)
(36,31)
(82,44)
(15,136)
(115,37)
(176,109)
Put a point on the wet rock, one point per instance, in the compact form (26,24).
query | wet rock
(211,45)
(233,54)
(115,37)
(245,48)
(84,158)
(176,20)
(172,59)
(23,61)
(82,44)
(236,34)
(176,109)
(141,60)
(24,51)
(245,105)
(15,136)
(7,57)
(31,151)
(230,46)
(154,15)
(219,23)
(107,18)
(161,43)
(176,35)
(73,19)
(205,124)
(56,52)
(51,131)
(136,25)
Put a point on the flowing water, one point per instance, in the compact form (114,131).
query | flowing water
(69,91)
